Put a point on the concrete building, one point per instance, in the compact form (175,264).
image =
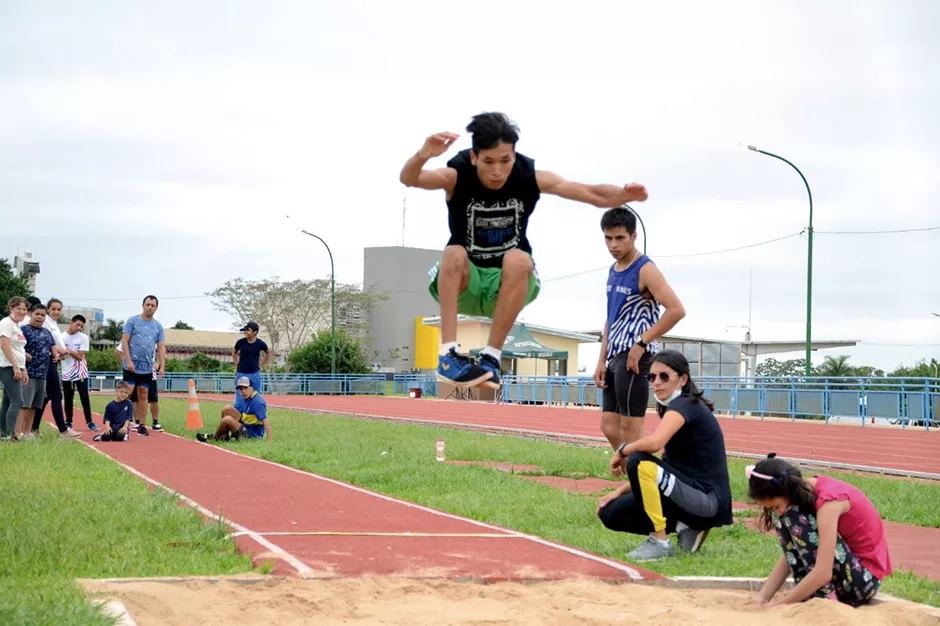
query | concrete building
(94,318)
(395,323)
(26,266)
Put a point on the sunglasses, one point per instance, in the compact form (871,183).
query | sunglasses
(663,377)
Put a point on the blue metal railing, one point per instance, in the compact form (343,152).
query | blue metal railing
(904,401)
(403,383)
(224,382)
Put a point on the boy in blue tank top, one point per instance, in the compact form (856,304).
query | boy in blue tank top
(635,291)
(487,268)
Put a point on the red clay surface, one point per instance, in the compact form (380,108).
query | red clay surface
(911,450)
(312,526)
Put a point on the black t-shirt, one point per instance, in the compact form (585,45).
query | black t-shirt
(491,222)
(697,451)
(249,355)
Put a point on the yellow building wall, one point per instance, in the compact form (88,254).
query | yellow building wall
(427,340)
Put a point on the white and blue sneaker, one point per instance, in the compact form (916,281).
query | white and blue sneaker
(461,371)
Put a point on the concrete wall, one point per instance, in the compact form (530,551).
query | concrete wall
(402,275)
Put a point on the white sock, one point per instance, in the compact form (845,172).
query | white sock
(662,542)
(445,347)
(680,526)
(493,352)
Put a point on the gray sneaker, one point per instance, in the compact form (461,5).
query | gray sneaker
(650,550)
(690,540)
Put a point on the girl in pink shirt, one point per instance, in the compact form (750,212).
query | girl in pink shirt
(832,537)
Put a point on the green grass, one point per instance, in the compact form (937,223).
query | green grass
(69,513)
(352,450)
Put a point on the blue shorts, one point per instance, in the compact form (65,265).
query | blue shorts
(254,377)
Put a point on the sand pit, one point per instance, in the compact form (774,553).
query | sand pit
(285,602)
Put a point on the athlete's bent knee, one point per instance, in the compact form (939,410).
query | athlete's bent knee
(517,265)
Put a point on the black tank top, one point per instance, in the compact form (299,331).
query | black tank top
(491,222)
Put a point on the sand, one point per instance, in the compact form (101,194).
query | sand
(284,602)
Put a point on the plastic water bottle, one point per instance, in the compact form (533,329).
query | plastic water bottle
(440,450)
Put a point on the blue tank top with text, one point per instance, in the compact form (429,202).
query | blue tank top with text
(629,312)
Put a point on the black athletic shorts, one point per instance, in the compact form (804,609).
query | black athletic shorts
(627,393)
(151,392)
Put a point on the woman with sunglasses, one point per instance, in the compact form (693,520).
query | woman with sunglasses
(687,491)
(832,537)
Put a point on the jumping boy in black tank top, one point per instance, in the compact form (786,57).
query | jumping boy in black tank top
(487,267)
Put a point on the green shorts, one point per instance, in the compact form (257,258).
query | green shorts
(479,298)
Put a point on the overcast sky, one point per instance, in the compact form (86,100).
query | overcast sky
(157,148)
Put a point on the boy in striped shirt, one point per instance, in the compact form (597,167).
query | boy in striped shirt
(75,370)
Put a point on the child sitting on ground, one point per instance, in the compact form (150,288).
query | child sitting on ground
(118,415)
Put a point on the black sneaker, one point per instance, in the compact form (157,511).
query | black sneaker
(142,430)
(461,371)
(490,364)
(156,426)
(204,437)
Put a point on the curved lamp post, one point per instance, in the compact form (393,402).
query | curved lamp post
(332,303)
(642,225)
(809,259)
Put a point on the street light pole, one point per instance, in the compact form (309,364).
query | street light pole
(332,303)
(642,225)
(809,259)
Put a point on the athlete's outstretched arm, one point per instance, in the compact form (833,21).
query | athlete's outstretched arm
(413,173)
(601,196)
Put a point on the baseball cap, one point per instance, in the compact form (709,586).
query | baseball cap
(242,382)
(252,325)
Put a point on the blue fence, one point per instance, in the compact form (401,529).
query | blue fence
(224,382)
(905,401)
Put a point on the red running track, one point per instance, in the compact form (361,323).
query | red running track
(914,451)
(312,526)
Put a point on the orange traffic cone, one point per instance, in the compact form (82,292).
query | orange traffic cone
(193,416)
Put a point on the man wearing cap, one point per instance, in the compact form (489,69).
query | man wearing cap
(247,356)
(248,417)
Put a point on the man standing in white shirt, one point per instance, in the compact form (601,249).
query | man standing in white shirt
(75,370)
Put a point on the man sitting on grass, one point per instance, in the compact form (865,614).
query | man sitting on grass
(248,417)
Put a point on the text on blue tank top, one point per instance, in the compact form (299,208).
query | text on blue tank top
(629,314)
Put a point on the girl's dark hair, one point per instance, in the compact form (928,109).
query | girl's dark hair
(786,482)
(488,130)
(53,301)
(675,361)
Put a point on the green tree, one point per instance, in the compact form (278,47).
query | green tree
(289,312)
(314,357)
(181,325)
(201,362)
(111,330)
(836,366)
(11,285)
(771,367)
(102,360)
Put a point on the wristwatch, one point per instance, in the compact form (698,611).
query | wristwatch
(640,342)
(620,449)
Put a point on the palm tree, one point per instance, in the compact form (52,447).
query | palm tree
(111,330)
(836,366)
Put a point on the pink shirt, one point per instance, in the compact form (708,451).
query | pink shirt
(860,527)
